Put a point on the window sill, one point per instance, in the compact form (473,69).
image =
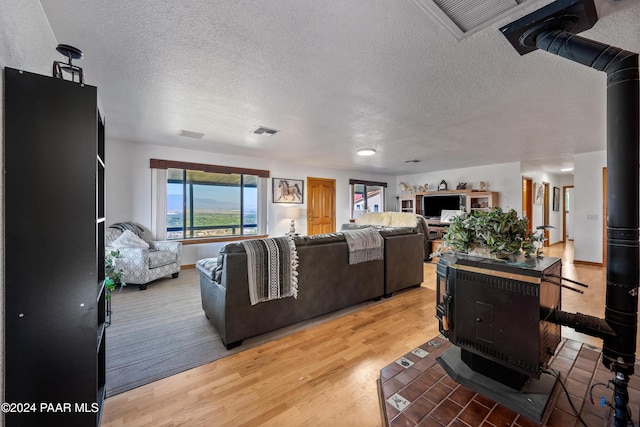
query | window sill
(186,242)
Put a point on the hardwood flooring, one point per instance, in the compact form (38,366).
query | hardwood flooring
(322,376)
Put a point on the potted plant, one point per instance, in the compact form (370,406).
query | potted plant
(494,234)
(112,278)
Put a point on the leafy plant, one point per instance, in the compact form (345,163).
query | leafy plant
(112,273)
(502,233)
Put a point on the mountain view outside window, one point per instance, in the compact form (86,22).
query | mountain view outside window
(204,205)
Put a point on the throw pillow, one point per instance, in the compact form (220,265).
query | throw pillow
(123,226)
(129,239)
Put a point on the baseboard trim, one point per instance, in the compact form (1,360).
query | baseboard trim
(595,264)
(187,266)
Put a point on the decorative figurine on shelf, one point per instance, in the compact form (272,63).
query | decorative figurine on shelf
(442,185)
(461,186)
(422,189)
(407,188)
(483,185)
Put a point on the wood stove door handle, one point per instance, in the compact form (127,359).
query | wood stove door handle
(445,323)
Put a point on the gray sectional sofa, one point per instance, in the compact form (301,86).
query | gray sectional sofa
(326,282)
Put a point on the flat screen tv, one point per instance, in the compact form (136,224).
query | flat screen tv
(432,206)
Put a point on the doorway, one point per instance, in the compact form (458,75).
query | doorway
(567,213)
(321,206)
(545,212)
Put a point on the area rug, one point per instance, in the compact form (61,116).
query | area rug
(162,331)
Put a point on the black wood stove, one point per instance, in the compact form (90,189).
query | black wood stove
(500,316)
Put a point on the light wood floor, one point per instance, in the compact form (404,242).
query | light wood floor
(323,376)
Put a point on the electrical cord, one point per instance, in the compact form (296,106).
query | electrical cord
(573,408)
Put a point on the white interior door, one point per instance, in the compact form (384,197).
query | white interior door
(568,207)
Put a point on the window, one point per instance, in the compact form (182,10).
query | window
(367,196)
(205,201)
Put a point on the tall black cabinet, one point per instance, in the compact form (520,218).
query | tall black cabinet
(54,251)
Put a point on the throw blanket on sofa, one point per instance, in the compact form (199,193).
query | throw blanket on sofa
(272,267)
(364,245)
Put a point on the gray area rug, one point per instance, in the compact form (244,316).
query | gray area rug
(162,331)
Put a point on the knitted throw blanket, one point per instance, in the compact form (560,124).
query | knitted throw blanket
(272,267)
(364,245)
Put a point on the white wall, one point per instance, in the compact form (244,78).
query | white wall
(129,187)
(588,208)
(506,179)
(26,43)
(503,178)
(555,217)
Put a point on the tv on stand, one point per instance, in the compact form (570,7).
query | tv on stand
(432,206)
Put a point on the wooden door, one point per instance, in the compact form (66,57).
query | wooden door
(321,206)
(527,200)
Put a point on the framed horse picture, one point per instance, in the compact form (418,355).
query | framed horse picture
(288,190)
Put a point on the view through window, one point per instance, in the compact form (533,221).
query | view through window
(367,196)
(204,205)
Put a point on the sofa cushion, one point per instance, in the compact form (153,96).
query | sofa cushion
(161,258)
(319,239)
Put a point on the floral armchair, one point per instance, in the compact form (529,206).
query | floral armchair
(142,261)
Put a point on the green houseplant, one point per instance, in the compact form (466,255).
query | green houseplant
(112,273)
(496,232)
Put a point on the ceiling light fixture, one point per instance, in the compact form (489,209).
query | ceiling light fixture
(566,170)
(366,152)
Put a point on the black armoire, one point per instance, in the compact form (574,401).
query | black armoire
(54,251)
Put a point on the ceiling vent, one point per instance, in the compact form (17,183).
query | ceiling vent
(464,17)
(190,134)
(264,131)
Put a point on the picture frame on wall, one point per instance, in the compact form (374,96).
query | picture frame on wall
(538,193)
(286,190)
(556,199)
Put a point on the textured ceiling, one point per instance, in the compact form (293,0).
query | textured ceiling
(335,76)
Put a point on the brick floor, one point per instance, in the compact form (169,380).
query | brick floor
(416,391)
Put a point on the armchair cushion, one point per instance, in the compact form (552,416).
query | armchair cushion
(128,239)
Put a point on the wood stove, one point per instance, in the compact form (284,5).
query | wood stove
(499,315)
(491,309)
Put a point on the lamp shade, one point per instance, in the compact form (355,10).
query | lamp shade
(292,212)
